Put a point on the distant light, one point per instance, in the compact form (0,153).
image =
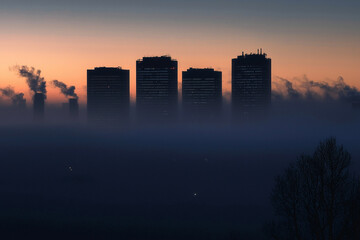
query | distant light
(70,169)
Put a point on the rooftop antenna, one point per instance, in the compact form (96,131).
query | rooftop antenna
(261,51)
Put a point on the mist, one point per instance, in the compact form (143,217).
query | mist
(144,182)
(179,180)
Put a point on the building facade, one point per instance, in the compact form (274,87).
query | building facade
(156,88)
(108,94)
(201,94)
(251,85)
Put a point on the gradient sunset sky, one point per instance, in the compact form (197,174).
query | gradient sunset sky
(65,38)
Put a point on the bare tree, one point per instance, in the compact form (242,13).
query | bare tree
(317,198)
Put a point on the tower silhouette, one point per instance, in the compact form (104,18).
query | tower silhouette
(156,88)
(108,95)
(251,85)
(201,94)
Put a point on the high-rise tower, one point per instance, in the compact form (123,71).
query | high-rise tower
(108,94)
(201,93)
(251,85)
(156,88)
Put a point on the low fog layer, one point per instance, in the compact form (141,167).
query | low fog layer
(188,182)
(64,177)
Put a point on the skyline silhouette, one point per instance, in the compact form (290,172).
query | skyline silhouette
(320,41)
(173,120)
(251,83)
(108,90)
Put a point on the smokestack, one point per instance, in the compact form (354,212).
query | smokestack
(73,107)
(22,104)
(39,105)
(261,51)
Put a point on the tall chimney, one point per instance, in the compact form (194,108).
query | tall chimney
(39,105)
(21,105)
(73,107)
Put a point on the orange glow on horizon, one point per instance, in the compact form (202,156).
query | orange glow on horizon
(67,58)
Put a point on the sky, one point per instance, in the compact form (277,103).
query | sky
(318,39)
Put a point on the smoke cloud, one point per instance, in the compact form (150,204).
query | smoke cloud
(16,98)
(67,91)
(33,77)
(308,90)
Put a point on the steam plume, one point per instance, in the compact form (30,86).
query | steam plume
(16,98)
(33,77)
(67,91)
(305,89)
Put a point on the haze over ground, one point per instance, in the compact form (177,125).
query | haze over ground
(193,181)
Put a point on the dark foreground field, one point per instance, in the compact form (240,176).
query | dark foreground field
(61,182)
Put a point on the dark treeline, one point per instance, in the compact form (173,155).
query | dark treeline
(318,197)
